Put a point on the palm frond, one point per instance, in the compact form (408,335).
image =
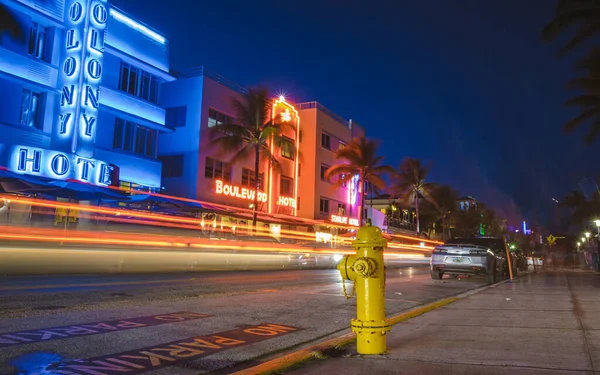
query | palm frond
(584,116)
(566,18)
(340,169)
(583,101)
(593,132)
(243,154)
(587,32)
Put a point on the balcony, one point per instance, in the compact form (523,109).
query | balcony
(15,66)
(132,168)
(127,103)
(23,135)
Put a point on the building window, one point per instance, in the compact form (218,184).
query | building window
(341,146)
(248,179)
(176,117)
(286,186)
(216,118)
(344,183)
(300,134)
(287,149)
(37,40)
(217,170)
(138,82)
(324,206)
(30,108)
(326,141)
(131,137)
(341,209)
(324,168)
(299,169)
(172,165)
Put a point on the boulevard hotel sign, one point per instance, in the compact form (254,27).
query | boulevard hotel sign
(222,188)
(75,130)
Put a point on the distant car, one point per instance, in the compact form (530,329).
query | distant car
(520,260)
(484,256)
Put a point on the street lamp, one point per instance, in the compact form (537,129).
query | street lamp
(587,234)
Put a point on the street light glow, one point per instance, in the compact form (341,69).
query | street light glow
(597,222)
(587,234)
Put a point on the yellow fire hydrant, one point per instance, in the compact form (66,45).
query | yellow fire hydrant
(366,269)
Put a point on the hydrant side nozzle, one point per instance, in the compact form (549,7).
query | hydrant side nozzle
(346,269)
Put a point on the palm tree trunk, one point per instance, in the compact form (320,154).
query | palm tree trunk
(444,228)
(417,210)
(256,184)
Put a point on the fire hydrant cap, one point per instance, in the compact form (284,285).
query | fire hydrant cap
(369,235)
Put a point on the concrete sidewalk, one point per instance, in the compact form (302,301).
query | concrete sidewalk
(547,323)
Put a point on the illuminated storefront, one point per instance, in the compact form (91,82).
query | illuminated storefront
(79,98)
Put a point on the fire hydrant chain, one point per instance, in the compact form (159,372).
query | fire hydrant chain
(344,288)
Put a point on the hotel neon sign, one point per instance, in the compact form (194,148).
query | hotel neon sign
(240,192)
(344,220)
(222,188)
(59,165)
(81,74)
(286,113)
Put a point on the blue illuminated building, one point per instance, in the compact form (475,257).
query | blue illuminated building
(79,95)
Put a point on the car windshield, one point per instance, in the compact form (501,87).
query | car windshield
(496,244)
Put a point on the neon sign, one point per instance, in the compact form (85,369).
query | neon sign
(353,191)
(286,202)
(59,165)
(287,113)
(81,73)
(238,192)
(137,26)
(344,220)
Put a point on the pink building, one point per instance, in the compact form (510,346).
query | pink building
(322,133)
(193,168)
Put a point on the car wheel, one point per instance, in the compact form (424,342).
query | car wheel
(436,275)
(490,278)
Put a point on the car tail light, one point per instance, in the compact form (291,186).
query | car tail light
(478,252)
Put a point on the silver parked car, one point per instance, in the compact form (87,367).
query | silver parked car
(484,256)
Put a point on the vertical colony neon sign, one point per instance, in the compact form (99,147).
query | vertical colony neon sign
(81,73)
(287,113)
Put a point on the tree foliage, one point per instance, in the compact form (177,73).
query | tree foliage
(408,183)
(359,158)
(251,134)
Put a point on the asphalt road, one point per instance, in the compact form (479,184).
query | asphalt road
(182,323)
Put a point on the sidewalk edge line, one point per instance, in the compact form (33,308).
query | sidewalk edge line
(293,358)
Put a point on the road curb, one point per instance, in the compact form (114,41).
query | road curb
(314,351)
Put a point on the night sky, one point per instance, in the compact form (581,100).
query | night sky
(467,85)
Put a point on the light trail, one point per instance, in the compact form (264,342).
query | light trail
(132,216)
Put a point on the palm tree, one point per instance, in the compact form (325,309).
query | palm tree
(10,24)
(359,158)
(582,15)
(252,134)
(444,198)
(589,101)
(582,209)
(409,183)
